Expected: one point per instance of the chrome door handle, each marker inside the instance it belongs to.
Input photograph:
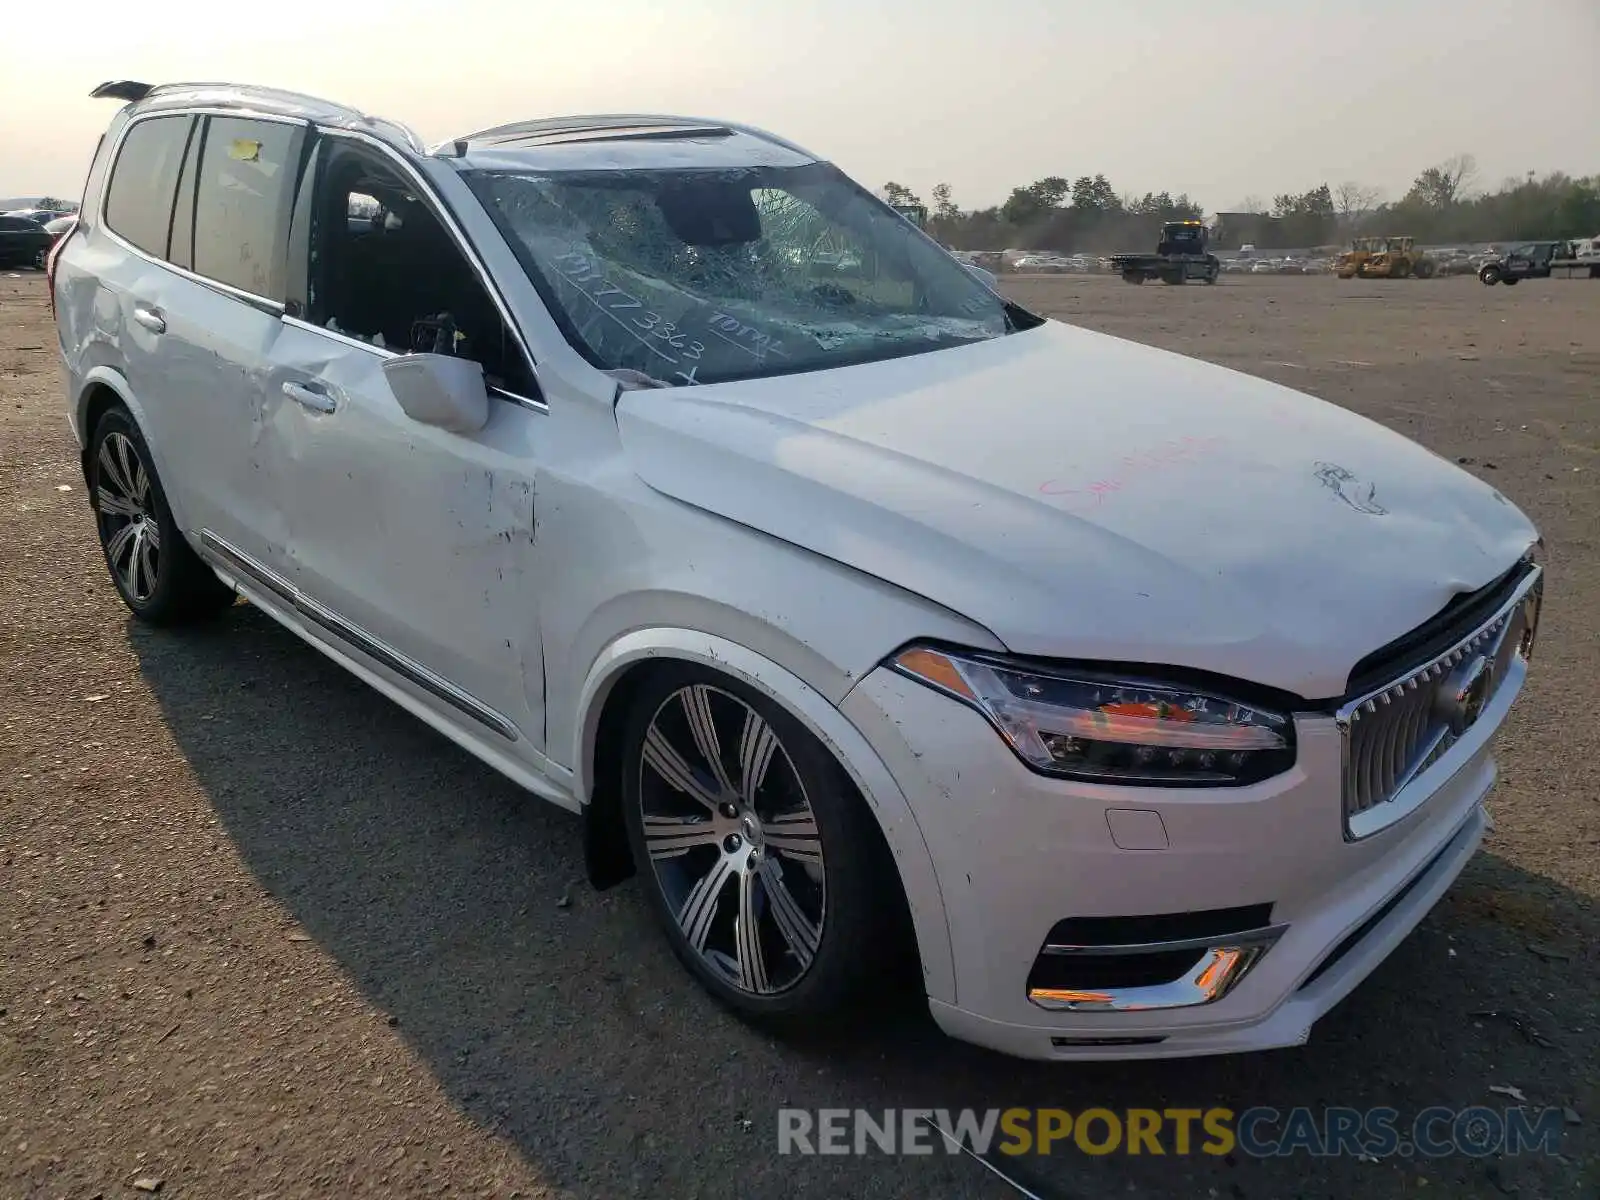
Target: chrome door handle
(150, 319)
(309, 397)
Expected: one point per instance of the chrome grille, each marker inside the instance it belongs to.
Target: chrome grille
(1394, 734)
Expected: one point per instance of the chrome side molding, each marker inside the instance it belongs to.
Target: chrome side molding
(232, 560)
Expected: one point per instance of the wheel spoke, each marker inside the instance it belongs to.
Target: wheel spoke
(670, 837)
(126, 462)
(119, 544)
(757, 745)
(697, 707)
(669, 764)
(108, 464)
(145, 551)
(798, 932)
(700, 905)
(112, 504)
(141, 483)
(136, 563)
(795, 836)
(152, 532)
(747, 937)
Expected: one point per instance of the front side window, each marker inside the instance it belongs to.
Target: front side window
(138, 203)
(246, 186)
(380, 267)
(699, 276)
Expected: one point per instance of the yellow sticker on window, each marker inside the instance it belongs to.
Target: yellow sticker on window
(245, 150)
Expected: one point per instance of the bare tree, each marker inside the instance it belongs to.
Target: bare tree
(1443, 185)
(1253, 204)
(1355, 201)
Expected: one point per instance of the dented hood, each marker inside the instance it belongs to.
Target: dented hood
(1086, 497)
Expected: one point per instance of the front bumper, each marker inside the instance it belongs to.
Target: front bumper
(1016, 852)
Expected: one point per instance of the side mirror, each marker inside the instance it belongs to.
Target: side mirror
(986, 278)
(441, 390)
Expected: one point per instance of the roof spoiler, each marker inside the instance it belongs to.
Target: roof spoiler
(122, 89)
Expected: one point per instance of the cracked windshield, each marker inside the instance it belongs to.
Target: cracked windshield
(685, 277)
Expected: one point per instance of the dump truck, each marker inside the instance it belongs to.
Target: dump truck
(1180, 256)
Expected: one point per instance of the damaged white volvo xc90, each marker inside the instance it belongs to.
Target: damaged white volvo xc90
(669, 472)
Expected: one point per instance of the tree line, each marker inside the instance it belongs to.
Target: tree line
(1443, 204)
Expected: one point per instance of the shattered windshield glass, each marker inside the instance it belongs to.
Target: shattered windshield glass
(701, 276)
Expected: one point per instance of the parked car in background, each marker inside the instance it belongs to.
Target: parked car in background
(852, 609)
(23, 242)
(39, 216)
(61, 225)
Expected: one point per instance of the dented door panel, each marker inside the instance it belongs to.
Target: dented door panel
(419, 538)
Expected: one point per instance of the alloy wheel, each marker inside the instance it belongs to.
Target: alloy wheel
(732, 838)
(129, 529)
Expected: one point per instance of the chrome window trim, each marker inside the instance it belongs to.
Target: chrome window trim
(1408, 795)
(230, 558)
(426, 191)
(345, 339)
(264, 303)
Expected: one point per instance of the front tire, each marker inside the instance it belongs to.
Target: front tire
(155, 571)
(757, 856)
(1489, 276)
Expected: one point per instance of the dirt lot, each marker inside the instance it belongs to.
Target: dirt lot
(266, 935)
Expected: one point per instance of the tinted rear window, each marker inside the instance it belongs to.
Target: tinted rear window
(247, 178)
(15, 224)
(138, 204)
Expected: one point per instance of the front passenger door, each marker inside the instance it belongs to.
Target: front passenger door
(410, 543)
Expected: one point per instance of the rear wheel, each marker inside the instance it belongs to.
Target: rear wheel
(1510, 281)
(1425, 269)
(39, 260)
(758, 858)
(157, 574)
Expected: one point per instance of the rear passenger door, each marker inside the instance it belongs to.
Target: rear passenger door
(229, 235)
(199, 206)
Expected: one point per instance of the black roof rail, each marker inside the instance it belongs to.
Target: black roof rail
(122, 89)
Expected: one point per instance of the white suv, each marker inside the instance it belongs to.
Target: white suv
(669, 472)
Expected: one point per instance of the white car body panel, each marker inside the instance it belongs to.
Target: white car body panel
(1055, 494)
(1122, 503)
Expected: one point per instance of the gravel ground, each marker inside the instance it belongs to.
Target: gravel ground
(268, 936)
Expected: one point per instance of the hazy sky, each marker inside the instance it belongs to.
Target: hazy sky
(1220, 98)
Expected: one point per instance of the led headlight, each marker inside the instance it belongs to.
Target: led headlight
(1110, 730)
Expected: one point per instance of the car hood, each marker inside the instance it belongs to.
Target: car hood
(1086, 497)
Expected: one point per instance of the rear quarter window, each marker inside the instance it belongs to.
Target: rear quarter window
(247, 178)
(138, 203)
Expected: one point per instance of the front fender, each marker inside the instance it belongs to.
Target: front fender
(827, 724)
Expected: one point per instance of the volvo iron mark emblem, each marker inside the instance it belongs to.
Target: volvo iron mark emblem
(1465, 693)
(1343, 484)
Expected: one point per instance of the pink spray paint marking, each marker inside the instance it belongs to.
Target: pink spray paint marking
(1169, 454)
